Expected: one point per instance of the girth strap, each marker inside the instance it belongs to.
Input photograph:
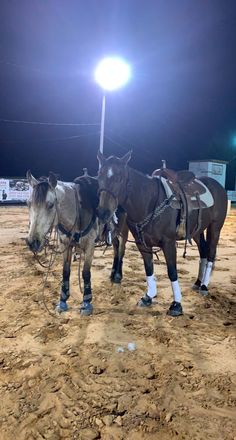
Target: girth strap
(76, 236)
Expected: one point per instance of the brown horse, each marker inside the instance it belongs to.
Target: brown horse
(71, 209)
(153, 221)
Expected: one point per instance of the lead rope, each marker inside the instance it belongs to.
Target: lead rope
(54, 252)
(51, 262)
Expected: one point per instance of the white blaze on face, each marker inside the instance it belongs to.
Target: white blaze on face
(110, 172)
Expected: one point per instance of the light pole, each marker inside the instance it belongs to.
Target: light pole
(111, 74)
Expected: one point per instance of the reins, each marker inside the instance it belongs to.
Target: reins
(73, 240)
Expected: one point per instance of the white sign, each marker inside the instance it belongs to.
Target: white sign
(14, 190)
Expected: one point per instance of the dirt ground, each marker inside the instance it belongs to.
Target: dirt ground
(72, 377)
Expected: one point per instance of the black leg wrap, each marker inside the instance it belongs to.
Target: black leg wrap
(117, 276)
(87, 293)
(65, 293)
(86, 307)
(116, 272)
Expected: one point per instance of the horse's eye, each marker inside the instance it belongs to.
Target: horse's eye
(50, 205)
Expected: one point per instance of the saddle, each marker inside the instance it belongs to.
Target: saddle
(189, 194)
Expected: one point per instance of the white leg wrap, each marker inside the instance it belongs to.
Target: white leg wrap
(207, 274)
(202, 268)
(176, 291)
(152, 287)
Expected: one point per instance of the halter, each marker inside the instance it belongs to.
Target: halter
(74, 236)
(109, 192)
(113, 194)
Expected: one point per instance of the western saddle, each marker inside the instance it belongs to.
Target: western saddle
(187, 192)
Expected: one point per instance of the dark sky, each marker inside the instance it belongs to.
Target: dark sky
(180, 103)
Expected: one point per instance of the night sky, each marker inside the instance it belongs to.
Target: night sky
(179, 105)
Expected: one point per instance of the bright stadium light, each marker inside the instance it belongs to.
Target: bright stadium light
(111, 74)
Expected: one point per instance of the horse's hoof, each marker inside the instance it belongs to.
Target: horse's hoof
(61, 307)
(175, 309)
(203, 290)
(86, 308)
(116, 278)
(196, 286)
(145, 301)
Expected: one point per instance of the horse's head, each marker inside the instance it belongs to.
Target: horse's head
(42, 210)
(112, 180)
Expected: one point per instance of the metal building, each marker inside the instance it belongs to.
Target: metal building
(210, 168)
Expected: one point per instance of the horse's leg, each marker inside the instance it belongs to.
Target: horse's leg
(169, 249)
(86, 305)
(213, 235)
(202, 248)
(115, 243)
(119, 252)
(65, 285)
(147, 256)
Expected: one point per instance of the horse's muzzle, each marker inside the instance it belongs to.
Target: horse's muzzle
(34, 245)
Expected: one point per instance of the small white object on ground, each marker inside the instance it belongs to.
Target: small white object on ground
(131, 346)
(120, 349)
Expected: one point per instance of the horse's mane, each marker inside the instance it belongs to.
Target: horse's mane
(40, 191)
(88, 187)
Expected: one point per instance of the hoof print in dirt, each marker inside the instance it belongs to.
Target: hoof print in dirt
(86, 309)
(95, 369)
(175, 309)
(61, 307)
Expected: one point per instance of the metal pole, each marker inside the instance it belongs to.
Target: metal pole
(102, 124)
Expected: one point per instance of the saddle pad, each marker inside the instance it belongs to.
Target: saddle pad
(204, 194)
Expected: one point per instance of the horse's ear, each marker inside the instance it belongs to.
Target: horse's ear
(31, 179)
(52, 180)
(101, 159)
(126, 158)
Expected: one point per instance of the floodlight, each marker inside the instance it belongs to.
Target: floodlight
(112, 73)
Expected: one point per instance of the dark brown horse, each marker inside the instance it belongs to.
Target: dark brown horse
(153, 221)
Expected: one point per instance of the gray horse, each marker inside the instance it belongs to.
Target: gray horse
(71, 209)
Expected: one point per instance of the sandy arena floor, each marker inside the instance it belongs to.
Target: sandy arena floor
(62, 377)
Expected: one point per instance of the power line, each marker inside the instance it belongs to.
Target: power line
(115, 142)
(22, 66)
(15, 121)
(143, 156)
(127, 142)
(33, 141)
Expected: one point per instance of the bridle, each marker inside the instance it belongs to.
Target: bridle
(71, 234)
(114, 196)
(111, 193)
